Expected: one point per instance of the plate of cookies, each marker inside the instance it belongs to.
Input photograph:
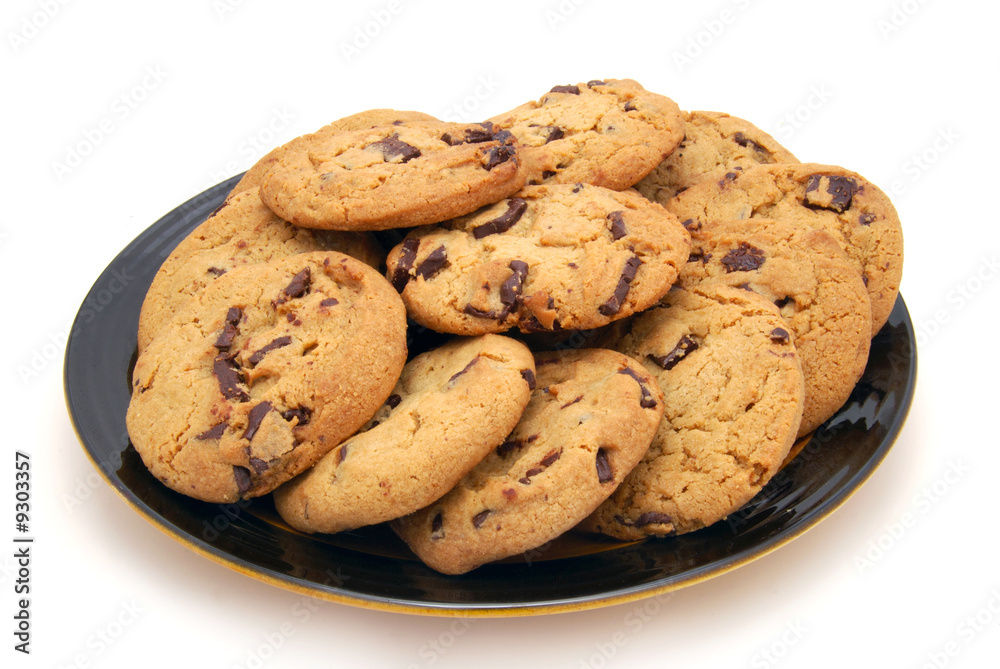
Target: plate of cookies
(590, 350)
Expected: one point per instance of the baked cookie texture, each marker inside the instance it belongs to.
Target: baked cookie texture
(817, 289)
(365, 119)
(590, 419)
(714, 143)
(825, 197)
(450, 408)
(733, 390)
(400, 175)
(607, 133)
(242, 232)
(562, 256)
(263, 372)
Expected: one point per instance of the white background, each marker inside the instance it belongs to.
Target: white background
(168, 98)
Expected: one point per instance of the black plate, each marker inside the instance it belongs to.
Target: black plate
(373, 568)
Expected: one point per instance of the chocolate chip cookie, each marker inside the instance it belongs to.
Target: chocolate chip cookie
(733, 390)
(263, 372)
(242, 232)
(553, 257)
(366, 119)
(843, 203)
(817, 289)
(398, 175)
(714, 143)
(590, 419)
(450, 408)
(608, 133)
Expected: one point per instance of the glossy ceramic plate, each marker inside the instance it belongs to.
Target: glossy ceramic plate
(372, 567)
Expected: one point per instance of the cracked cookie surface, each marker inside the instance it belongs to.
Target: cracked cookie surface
(241, 232)
(590, 419)
(553, 257)
(733, 391)
(714, 143)
(845, 204)
(817, 289)
(263, 372)
(607, 133)
(390, 176)
(451, 407)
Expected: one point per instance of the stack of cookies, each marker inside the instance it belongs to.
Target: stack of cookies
(637, 311)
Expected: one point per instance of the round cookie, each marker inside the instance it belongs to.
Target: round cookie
(845, 204)
(450, 408)
(365, 119)
(817, 289)
(554, 257)
(714, 143)
(608, 133)
(390, 176)
(241, 232)
(263, 372)
(589, 421)
(733, 392)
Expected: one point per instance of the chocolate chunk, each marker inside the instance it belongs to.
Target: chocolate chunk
(685, 346)
(511, 445)
(259, 466)
(392, 147)
(780, 336)
(647, 401)
(699, 255)
(342, 454)
(596, 82)
(616, 220)
(510, 290)
(497, 155)
(691, 224)
(867, 218)
(614, 303)
(437, 524)
(267, 348)
(242, 476)
(228, 374)
(745, 286)
(408, 253)
(230, 329)
(550, 457)
(555, 132)
(529, 377)
(214, 432)
(432, 264)
(485, 133)
(746, 142)
(455, 376)
(254, 419)
(577, 188)
(839, 193)
(783, 302)
(509, 494)
(548, 174)
(729, 177)
(216, 271)
(653, 518)
(480, 518)
(629, 106)
(329, 302)
(481, 313)
(303, 414)
(299, 285)
(604, 473)
(515, 209)
(393, 401)
(574, 90)
(744, 258)
(571, 403)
